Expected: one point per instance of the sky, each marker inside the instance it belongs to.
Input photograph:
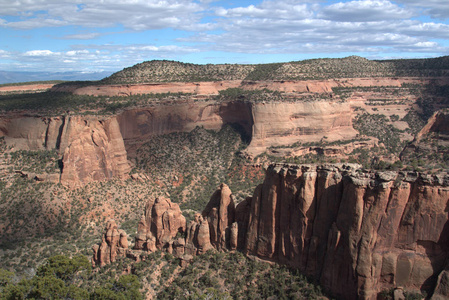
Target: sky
(109, 35)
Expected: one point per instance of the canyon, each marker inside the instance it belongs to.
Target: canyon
(357, 232)
(273, 124)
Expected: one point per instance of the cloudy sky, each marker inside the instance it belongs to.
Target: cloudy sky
(108, 35)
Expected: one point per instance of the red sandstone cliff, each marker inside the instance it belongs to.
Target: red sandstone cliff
(93, 150)
(97, 148)
(357, 233)
(91, 147)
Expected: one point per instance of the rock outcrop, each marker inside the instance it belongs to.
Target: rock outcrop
(92, 148)
(114, 244)
(160, 224)
(220, 214)
(442, 288)
(93, 151)
(266, 124)
(198, 237)
(356, 232)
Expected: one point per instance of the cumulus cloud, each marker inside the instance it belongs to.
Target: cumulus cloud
(364, 11)
(268, 9)
(93, 57)
(380, 27)
(355, 26)
(132, 14)
(438, 9)
(40, 53)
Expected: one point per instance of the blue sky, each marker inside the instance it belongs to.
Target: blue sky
(108, 35)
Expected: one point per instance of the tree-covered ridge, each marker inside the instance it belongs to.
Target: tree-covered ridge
(56, 103)
(326, 68)
(173, 71)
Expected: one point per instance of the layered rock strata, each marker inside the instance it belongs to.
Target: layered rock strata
(114, 243)
(357, 233)
(92, 148)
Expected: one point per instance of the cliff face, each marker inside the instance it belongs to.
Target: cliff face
(357, 233)
(92, 148)
(308, 111)
(266, 124)
(277, 124)
(93, 151)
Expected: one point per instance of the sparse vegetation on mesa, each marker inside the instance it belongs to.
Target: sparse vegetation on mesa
(171, 71)
(57, 103)
(377, 125)
(349, 67)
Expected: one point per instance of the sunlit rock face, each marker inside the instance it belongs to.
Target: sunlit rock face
(356, 232)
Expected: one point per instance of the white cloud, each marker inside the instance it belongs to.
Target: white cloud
(76, 52)
(4, 54)
(356, 26)
(135, 15)
(81, 36)
(268, 9)
(364, 11)
(438, 9)
(40, 53)
(93, 57)
(265, 27)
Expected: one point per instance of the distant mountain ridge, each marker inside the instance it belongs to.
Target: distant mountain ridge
(319, 69)
(18, 76)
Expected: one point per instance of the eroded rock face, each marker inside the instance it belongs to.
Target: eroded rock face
(198, 236)
(94, 151)
(114, 243)
(431, 142)
(220, 214)
(357, 233)
(159, 225)
(442, 288)
(92, 148)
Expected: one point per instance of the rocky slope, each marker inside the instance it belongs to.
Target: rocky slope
(431, 144)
